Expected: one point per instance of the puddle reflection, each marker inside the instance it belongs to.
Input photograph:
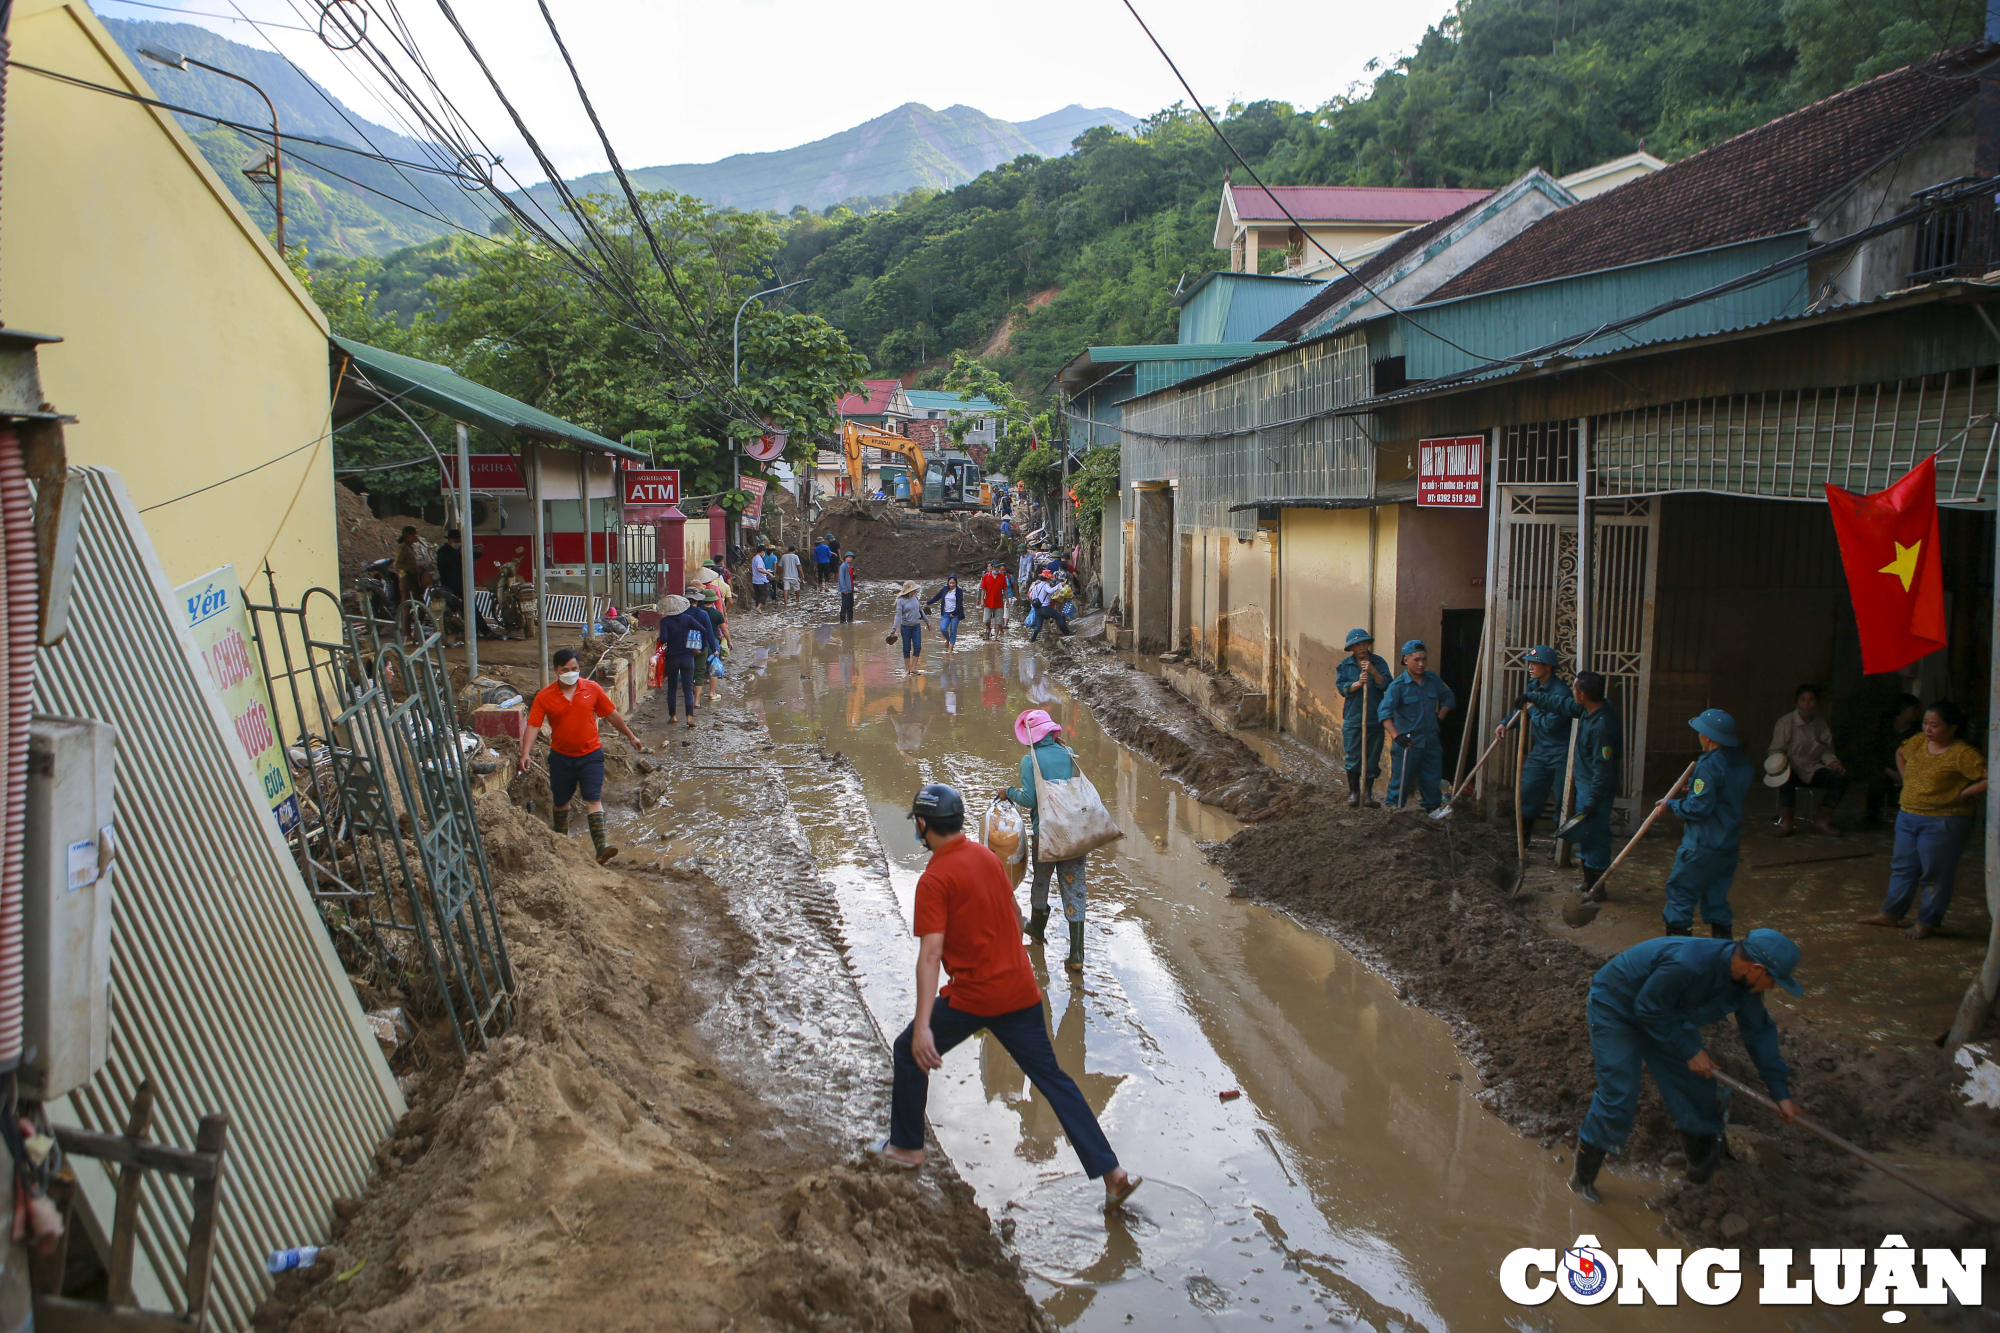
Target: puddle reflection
(1355, 1180)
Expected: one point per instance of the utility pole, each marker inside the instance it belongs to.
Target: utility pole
(467, 578)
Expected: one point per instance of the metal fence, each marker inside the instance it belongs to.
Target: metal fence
(1788, 445)
(388, 841)
(1262, 433)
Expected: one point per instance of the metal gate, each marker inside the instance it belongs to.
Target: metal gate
(639, 557)
(381, 773)
(1536, 602)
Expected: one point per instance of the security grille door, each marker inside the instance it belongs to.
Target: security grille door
(1537, 603)
(643, 565)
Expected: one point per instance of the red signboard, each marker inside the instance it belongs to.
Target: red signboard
(1450, 472)
(754, 485)
(494, 474)
(662, 487)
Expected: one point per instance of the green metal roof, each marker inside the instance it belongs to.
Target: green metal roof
(444, 390)
(936, 400)
(1180, 352)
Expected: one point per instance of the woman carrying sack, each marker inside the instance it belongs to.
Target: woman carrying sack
(1077, 823)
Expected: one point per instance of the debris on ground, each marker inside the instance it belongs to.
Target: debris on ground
(599, 1166)
(902, 542)
(1426, 903)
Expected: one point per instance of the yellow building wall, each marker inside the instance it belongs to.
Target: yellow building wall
(189, 353)
(1325, 594)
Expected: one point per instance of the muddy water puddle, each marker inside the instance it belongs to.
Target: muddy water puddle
(1352, 1180)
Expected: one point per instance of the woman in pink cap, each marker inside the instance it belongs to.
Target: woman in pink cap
(1038, 731)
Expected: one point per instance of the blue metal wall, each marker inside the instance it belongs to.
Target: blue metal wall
(1501, 324)
(1234, 308)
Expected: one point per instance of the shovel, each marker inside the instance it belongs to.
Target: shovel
(1579, 911)
(1520, 823)
(1477, 764)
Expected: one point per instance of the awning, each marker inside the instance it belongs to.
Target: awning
(372, 374)
(1399, 492)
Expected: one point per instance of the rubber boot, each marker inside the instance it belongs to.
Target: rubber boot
(1353, 790)
(1584, 1178)
(1704, 1156)
(1591, 892)
(560, 822)
(1725, 932)
(1680, 927)
(605, 851)
(1038, 924)
(1075, 960)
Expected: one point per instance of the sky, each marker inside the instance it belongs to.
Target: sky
(697, 80)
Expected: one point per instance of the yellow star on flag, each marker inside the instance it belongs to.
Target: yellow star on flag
(1904, 566)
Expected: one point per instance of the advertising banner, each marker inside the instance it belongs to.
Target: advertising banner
(212, 609)
(1450, 472)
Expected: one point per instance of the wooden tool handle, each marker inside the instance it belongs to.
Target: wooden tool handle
(1655, 814)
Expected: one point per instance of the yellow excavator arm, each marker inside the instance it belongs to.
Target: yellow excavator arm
(854, 437)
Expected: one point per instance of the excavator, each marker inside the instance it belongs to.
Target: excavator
(947, 484)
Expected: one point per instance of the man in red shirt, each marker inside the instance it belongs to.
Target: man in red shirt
(571, 708)
(966, 919)
(993, 601)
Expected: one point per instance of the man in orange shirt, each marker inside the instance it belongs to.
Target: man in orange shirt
(966, 919)
(571, 708)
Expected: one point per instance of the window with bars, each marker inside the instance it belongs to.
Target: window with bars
(1540, 453)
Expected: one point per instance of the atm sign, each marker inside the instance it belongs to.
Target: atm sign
(1449, 471)
(653, 488)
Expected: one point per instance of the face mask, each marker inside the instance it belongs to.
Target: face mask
(919, 830)
(570, 677)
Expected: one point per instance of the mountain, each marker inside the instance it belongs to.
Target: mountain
(381, 208)
(912, 147)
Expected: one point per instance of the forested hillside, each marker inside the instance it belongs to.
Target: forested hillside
(1498, 87)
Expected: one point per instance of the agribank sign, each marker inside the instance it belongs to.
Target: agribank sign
(1585, 1274)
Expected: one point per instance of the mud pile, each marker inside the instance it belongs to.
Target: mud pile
(365, 538)
(598, 1169)
(1426, 903)
(901, 543)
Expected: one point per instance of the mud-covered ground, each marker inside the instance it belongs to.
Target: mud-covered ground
(1427, 903)
(613, 1163)
(900, 542)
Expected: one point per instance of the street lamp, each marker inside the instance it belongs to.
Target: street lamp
(175, 60)
(736, 374)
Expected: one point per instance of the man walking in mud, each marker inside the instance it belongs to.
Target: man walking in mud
(1411, 709)
(966, 920)
(1712, 808)
(1361, 678)
(1647, 1007)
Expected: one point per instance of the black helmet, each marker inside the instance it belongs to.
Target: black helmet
(938, 801)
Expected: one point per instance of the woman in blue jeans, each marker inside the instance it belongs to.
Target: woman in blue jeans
(1942, 779)
(950, 603)
(910, 620)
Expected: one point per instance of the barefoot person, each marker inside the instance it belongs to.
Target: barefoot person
(571, 707)
(966, 920)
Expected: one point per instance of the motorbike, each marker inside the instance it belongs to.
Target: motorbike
(379, 589)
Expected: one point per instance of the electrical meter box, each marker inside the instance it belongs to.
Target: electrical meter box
(66, 903)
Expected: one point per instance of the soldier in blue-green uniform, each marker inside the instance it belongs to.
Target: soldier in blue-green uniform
(1713, 811)
(1361, 678)
(1411, 709)
(1548, 756)
(1600, 745)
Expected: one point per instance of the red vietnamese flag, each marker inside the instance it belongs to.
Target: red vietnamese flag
(1889, 545)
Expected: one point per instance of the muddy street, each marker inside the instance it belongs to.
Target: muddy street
(1353, 1179)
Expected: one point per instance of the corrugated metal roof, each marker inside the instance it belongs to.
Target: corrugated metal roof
(1229, 307)
(934, 400)
(1349, 203)
(225, 988)
(443, 389)
(1179, 352)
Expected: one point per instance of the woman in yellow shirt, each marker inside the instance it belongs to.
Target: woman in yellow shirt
(1942, 779)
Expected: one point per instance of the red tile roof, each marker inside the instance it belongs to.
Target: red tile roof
(1349, 203)
(875, 404)
(1763, 182)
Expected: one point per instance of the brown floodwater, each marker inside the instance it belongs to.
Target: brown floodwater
(1354, 1181)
